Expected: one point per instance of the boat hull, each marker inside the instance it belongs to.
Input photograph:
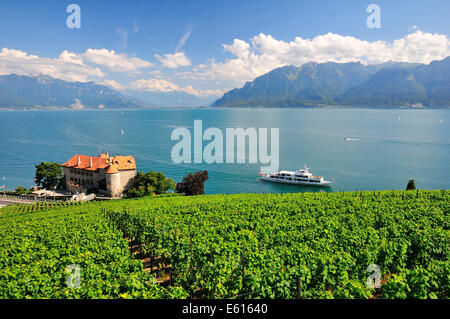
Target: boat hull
(322, 184)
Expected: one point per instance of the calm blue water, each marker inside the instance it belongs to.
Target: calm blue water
(389, 152)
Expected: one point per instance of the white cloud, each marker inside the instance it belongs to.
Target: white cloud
(153, 85)
(189, 89)
(71, 66)
(173, 61)
(158, 85)
(239, 48)
(247, 60)
(184, 38)
(114, 61)
(113, 84)
(70, 57)
(264, 53)
(67, 66)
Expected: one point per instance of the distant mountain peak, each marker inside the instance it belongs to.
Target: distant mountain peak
(43, 91)
(390, 84)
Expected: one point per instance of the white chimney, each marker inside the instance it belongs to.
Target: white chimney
(79, 160)
(90, 161)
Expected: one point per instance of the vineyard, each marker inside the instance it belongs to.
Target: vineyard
(37, 206)
(310, 245)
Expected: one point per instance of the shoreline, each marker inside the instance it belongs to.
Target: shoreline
(329, 107)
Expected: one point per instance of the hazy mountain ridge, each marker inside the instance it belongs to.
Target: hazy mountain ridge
(45, 92)
(18, 91)
(172, 99)
(350, 84)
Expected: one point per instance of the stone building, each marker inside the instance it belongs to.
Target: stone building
(110, 176)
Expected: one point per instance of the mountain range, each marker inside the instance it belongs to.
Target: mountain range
(45, 92)
(352, 84)
(347, 84)
(172, 98)
(18, 91)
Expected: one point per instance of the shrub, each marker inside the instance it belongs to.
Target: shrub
(148, 183)
(411, 185)
(193, 184)
(21, 190)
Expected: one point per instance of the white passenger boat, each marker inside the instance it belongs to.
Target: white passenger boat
(299, 177)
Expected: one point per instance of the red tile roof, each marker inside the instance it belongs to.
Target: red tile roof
(103, 161)
(112, 169)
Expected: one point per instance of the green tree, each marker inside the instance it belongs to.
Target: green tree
(411, 185)
(151, 182)
(21, 190)
(49, 175)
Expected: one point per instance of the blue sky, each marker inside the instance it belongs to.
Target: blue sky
(260, 36)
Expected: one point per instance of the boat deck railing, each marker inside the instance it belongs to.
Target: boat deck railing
(290, 176)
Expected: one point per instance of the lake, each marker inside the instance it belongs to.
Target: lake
(390, 146)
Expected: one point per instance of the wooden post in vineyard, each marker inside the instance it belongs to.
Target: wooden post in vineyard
(417, 193)
(299, 282)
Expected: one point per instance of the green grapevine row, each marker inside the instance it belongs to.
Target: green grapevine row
(315, 245)
(311, 245)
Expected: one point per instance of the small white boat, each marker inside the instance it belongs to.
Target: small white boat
(299, 177)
